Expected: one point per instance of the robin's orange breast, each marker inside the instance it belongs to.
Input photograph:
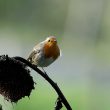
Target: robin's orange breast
(51, 51)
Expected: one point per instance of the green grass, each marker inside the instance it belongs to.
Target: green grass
(80, 98)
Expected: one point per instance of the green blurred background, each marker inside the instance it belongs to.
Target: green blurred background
(82, 28)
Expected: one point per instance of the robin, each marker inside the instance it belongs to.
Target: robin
(45, 53)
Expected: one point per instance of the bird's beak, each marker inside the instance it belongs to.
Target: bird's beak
(55, 41)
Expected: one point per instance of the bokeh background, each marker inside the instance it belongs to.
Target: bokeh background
(82, 28)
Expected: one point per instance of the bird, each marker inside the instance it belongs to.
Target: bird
(45, 53)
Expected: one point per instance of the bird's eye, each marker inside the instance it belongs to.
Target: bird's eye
(48, 40)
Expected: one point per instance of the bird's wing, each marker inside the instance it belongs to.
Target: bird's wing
(31, 56)
(39, 46)
(37, 49)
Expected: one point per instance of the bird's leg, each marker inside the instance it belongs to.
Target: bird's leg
(44, 71)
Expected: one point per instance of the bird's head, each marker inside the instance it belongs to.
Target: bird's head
(51, 41)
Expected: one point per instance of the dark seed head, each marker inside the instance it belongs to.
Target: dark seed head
(15, 80)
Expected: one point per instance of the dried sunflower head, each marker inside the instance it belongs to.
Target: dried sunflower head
(15, 80)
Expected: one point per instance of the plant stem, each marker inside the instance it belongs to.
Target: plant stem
(47, 78)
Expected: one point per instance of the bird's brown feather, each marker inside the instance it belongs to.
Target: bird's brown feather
(51, 51)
